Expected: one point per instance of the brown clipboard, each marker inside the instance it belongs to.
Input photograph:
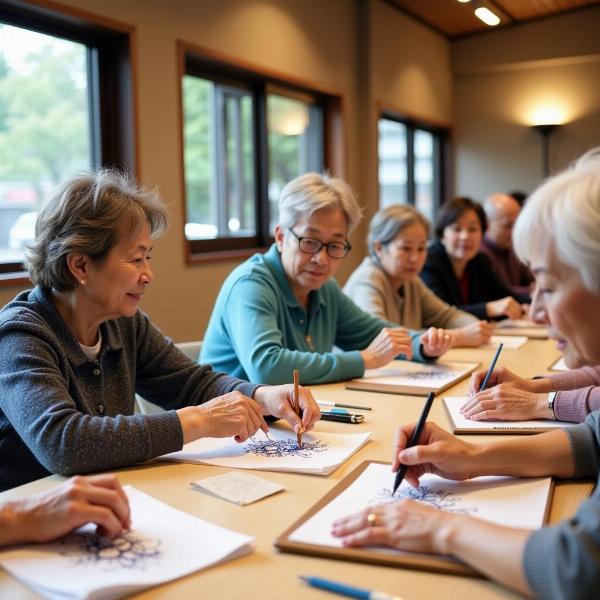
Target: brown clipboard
(507, 429)
(366, 385)
(408, 560)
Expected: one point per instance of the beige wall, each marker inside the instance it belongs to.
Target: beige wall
(501, 78)
(327, 42)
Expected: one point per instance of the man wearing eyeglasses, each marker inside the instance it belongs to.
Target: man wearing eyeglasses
(283, 310)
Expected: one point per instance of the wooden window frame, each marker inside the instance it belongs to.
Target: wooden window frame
(442, 135)
(112, 81)
(197, 61)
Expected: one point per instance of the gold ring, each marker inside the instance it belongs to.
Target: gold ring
(372, 519)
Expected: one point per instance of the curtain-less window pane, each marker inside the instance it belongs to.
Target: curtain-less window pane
(392, 163)
(295, 130)
(424, 172)
(45, 132)
(218, 160)
(199, 160)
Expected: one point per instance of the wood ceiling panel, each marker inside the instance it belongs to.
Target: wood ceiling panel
(535, 9)
(455, 19)
(446, 16)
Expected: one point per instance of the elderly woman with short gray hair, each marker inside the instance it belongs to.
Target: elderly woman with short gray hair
(283, 310)
(75, 350)
(387, 284)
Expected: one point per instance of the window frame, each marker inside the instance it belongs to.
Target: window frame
(441, 139)
(111, 80)
(201, 62)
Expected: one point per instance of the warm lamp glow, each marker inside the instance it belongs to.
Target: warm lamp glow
(487, 16)
(288, 116)
(547, 113)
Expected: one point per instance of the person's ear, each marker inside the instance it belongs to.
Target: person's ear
(279, 237)
(78, 266)
(378, 248)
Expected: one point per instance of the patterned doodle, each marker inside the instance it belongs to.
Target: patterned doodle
(281, 448)
(128, 551)
(441, 499)
(435, 375)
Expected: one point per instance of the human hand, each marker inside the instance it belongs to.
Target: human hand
(232, 414)
(506, 402)
(472, 335)
(98, 499)
(406, 525)
(437, 452)
(504, 307)
(389, 343)
(278, 401)
(436, 341)
(500, 375)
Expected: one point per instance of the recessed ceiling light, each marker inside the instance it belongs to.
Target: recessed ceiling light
(487, 16)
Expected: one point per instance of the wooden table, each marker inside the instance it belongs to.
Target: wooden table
(269, 574)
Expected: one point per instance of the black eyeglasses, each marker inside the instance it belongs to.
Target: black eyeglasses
(313, 246)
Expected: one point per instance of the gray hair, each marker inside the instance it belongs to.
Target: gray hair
(89, 214)
(387, 223)
(566, 210)
(310, 192)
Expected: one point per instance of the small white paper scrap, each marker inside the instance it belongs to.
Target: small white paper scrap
(511, 342)
(237, 487)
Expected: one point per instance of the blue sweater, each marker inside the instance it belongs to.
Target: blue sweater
(258, 330)
(63, 413)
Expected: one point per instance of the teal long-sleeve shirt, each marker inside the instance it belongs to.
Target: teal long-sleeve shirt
(259, 331)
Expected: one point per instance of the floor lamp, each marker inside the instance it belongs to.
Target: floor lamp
(545, 131)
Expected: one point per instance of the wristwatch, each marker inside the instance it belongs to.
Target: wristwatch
(551, 398)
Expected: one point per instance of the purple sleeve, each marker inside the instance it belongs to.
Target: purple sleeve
(580, 395)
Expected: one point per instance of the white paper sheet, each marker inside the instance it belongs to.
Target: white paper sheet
(491, 498)
(460, 422)
(320, 454)
(559, 365)
(164, 544)
(518, 324)
(510, 342)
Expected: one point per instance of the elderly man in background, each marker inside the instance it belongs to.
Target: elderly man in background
(502, 211)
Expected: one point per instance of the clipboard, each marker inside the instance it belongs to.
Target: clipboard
(502, 427)
(396, 377)
(377, 556)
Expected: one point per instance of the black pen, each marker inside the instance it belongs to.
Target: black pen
(492, 365)
(341, 417)
(414, 439)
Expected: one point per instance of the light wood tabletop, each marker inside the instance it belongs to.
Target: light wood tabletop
(269, 574)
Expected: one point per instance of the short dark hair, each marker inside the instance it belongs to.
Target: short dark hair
(453, 210)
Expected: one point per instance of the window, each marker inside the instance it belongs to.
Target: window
(411, 164)
(245, 135)
(60, 113)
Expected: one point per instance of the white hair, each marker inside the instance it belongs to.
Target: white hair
(566, 210)
(310, 192)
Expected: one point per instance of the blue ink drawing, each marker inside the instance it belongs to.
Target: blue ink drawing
(436, 375)
(128, 551)
(440, 499)
(282, 448)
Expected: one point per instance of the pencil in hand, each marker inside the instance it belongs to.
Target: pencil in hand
(296, 404)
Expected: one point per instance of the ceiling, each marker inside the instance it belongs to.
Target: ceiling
(456, 19)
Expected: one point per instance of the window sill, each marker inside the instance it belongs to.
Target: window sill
(223, 255)
(14, 279)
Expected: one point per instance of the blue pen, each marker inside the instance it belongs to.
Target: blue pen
(346, 590)
(492, 365)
